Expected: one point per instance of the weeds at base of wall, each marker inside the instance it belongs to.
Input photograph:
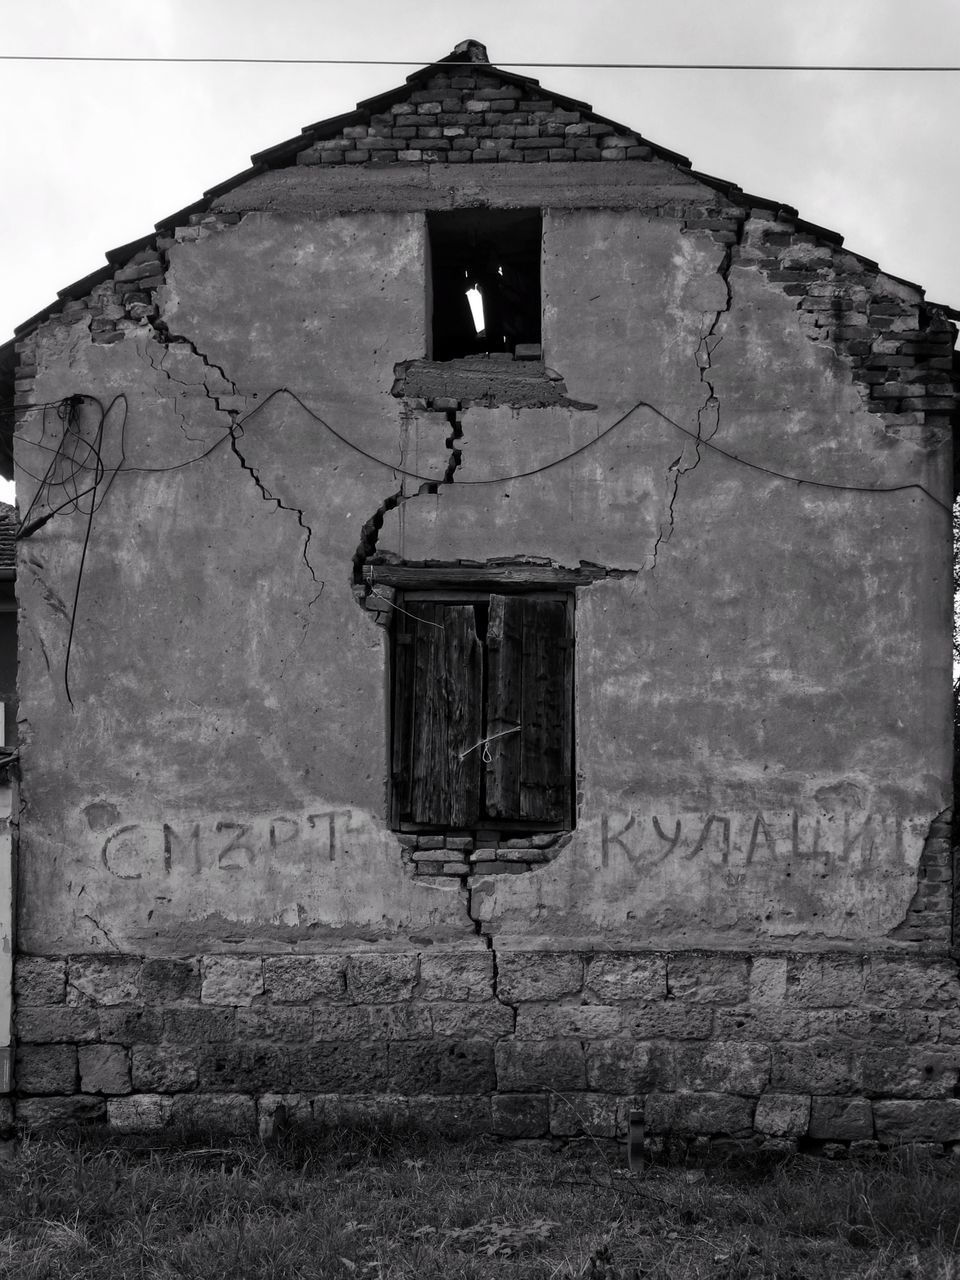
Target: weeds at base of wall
(367, 1203)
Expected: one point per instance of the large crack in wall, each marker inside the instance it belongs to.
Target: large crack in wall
(148, 313)
(232, 413)
(135, 312)
(236, 433)
(138, 284)
(703, 355)
(367, 550)
(452, 387)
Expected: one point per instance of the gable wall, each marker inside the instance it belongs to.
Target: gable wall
(214, 911)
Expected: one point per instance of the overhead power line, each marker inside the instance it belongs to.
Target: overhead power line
(407, 62)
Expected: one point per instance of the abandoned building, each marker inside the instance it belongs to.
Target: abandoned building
(485, 651)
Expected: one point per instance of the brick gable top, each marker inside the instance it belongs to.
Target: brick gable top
(464, 110)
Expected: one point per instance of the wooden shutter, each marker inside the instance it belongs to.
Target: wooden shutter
(438, 677)
(529, 684)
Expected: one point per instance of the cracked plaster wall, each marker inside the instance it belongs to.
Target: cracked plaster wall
(759, 649)
(202, 704)
(711, 696)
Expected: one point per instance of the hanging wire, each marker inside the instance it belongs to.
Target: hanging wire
(25, 531)
(393, 605)
(590, 444)
(75, 454)
(480, 66)
(486, 757)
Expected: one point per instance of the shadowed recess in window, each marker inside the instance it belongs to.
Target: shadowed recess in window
(485, 280)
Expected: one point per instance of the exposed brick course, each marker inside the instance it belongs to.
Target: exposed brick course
(283, 1025)
(699, 1113)
(540, 1064)
(231, 980)
(612, 978)
(911, 983)
(104, 1068)
(782, 1115)
(457, 977)
(103, 980)
(723, 1066)
(164, 1068)
(490, 1019)
(343, 1067)
(817, 1067)
(441, 1067)
(56, 1113)
(589, 1020)
(520, 1115)
(169, 981)
(39, 981)
(189, 1025)
(720, 978)
(906, 1121)
(50, 1024)
(373, 1022)
(840, 1119)
(628, 1067)
(47, 1068)
(378, 979)
(232, 1113)
(590, 1114)
(849, 303)
(120, 1025)
(299, 979)
(824, 981)
(138, 1113)
(819, 1045)
(538, 975)
(763, 1022)
(917, 1072)
(245, 1067)
(668, 1019)
(456, 1116)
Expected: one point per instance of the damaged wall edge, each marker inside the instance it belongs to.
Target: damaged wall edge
(928, 919)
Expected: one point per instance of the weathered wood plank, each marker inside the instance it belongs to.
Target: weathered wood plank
(504, 652)
(544, 790)
(445, 716)
(401, 745)
(522, 577)
(439, 712)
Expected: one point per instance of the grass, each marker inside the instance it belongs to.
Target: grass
(363, 1206)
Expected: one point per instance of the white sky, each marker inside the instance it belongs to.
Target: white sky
(94, 154)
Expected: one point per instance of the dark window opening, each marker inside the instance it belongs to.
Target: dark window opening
(485, 279)
(483, 712)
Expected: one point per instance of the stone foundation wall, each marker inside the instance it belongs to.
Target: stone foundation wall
(837, 1050)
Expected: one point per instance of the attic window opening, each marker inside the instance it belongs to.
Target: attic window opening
(484, 281)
